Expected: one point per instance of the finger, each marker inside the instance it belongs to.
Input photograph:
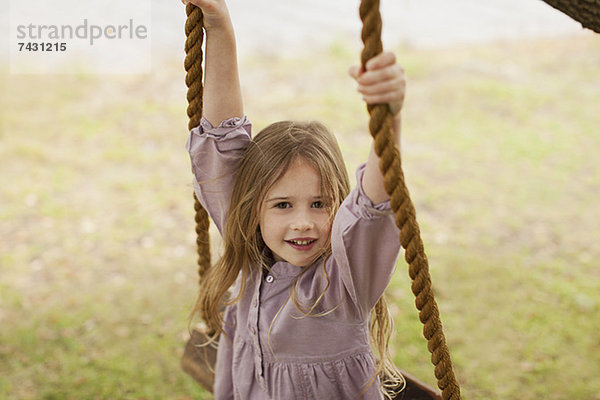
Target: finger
(197, 3)
(391, 93)
(395, 99)
(355, 71)
(381, 60)
(381, 75)
(392, 85)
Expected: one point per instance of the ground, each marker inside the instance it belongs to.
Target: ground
(499, 148)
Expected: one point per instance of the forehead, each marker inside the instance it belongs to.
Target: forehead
(300, 179)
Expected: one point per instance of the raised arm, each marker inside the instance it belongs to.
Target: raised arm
(382, 82)
(222, 93)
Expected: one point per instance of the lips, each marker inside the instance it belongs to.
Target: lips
(301, 243)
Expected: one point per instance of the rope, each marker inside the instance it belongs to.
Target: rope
(380, 126)
(586, 12)
(193, 80)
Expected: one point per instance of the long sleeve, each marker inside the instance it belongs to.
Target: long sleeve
(365, 243)
(215, 153)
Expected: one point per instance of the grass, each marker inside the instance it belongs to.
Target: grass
(500, 152)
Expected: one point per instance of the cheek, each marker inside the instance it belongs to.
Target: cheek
(263, 224)
(325, 224)
(270, 225)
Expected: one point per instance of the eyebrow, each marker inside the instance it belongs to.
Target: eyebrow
(277, 199)
(284, 198)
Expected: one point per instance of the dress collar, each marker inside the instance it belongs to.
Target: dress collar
(283, 269)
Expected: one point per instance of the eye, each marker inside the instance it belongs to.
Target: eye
(282, 205)
(318, 204)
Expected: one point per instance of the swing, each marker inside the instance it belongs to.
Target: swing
(198, 359)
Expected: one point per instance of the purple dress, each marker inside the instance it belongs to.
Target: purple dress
(273, 351)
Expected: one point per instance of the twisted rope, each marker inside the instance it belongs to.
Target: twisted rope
(586, 12)
(193, 79)
(380, 126)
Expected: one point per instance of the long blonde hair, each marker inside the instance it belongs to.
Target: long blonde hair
(266, 159)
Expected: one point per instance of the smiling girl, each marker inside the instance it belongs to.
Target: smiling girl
(306, 258)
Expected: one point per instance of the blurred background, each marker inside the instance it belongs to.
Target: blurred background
(500, 150)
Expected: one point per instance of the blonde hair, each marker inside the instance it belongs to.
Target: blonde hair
(265, 160)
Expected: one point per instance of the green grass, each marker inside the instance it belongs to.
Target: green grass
(500, 150)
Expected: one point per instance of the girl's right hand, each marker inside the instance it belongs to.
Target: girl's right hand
(215, 13)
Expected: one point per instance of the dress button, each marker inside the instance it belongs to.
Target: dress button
(270, 278)
(255, 303)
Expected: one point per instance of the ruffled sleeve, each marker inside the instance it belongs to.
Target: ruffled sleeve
(365, 244)
(215, 153)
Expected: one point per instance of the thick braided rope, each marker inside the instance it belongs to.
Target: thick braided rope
(380, 126)
(587, 12)
(193, 80)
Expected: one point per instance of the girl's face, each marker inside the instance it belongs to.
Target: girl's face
(294, 219)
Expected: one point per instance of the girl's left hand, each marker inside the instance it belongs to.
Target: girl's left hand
(382, 82)
(215, 13)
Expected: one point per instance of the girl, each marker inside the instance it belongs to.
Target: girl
(310, 259)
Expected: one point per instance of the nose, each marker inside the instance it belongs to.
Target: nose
(301, 221)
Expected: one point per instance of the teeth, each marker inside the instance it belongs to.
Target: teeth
(301, 242)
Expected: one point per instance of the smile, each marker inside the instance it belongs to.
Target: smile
(304, 244)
